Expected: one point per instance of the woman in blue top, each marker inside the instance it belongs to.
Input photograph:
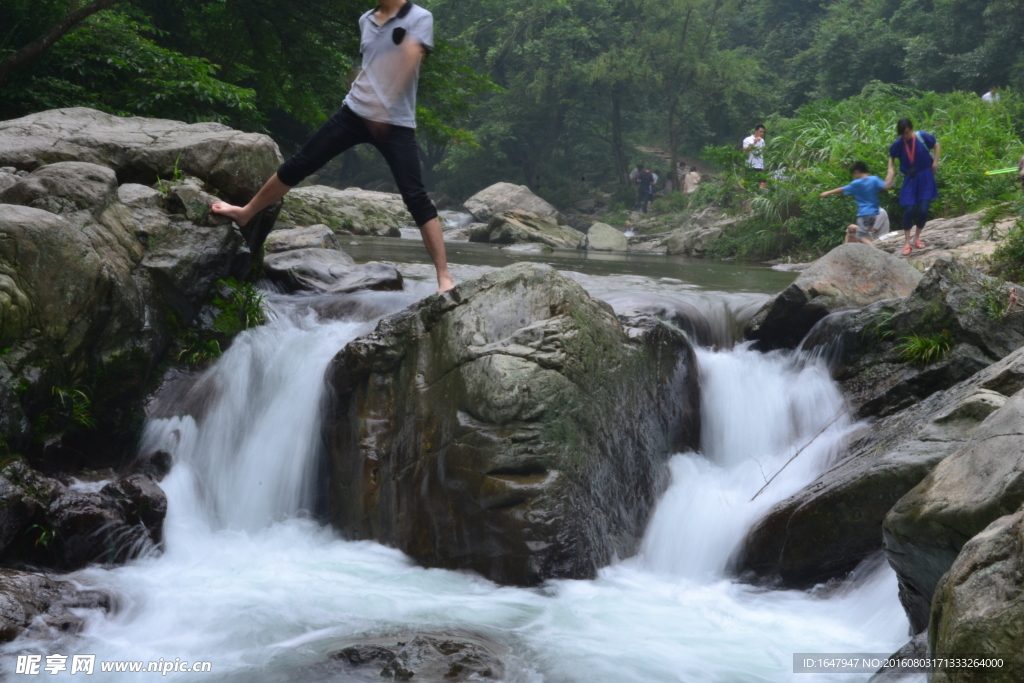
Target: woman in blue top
(919, 160)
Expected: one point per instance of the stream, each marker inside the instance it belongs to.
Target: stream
(249, 581)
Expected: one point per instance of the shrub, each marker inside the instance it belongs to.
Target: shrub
(924, 349)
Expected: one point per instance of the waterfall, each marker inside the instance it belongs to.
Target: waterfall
(249, 581)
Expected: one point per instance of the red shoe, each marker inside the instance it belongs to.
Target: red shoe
(918, 245)
(906, 250)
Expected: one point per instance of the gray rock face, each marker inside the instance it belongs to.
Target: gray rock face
(850, 276)
(310, 237)
(353, 211)
(504, 197)
(43, 606)
(136, 196)
(978, 606)
(829, 527)
(603, 237)
(140, 150)
(967, 312)
(513, 427)
(65, 188)
(328, 270)
(982, 481)
(916, 648)
(518, 227)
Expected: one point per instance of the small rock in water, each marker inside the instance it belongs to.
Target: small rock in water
(427, 658)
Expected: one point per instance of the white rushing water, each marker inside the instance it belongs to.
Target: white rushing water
(250, 583)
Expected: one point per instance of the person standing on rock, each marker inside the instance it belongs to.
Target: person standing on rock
(914, 150)
(645, 191)
(692, 181)
(864, 188)
(380, 109)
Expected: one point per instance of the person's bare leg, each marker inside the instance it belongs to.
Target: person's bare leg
(917, 236)
(433, 240)
(271, 191)
(868, 241)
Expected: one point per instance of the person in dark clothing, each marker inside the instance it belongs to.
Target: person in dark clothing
(645, 190)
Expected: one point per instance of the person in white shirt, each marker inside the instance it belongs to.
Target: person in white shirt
(691, 181)
(991, 96)
(753, 145)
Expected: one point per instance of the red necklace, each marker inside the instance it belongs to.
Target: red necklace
(911, 149)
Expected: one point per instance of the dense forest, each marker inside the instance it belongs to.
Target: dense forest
(555, 94)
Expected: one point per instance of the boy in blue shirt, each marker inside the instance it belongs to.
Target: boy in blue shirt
(864, 188)
(918, 153)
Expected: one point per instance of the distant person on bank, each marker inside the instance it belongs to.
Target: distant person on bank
(918, 164)
(644, 192)
(992, 95)
(380, 109)
(691, 181)
(753, 145)
(871, 217)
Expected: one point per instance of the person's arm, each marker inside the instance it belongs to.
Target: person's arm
(890, 175)
(838, 190)
(936, 151)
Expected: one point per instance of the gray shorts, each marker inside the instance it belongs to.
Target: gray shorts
(865, 224)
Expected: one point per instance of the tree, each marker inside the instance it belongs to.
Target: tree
(75, 16)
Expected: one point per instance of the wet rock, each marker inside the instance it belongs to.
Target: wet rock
(977, 609)
(969, 313)
(926, 528)
(353, 211)
(7, 178)
(916, 648)
(310, 237)
(603, 237)
(513, 427)
(517, 227)
(64, 188)
(829, 527)
(140, 150)
(328, 270)
(427, 658)
(505, 197)
(850, 276)
(195, 203)
(43, 606)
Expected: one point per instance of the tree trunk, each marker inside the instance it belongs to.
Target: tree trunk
(618, 146)
(47, 40)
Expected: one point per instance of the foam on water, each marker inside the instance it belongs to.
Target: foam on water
(248, 581)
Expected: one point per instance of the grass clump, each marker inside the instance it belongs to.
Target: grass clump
(924, 350)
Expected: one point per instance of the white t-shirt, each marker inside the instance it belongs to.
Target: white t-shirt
(756, 158)
(989, 97)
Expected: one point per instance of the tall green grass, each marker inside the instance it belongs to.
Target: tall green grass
(813, 150)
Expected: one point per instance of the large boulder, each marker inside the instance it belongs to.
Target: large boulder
(603, 237)
(328, 270)
(968, 318)
(518, 227)
(850, 276)
(504, 197)
(692, 242)
(141, 150)
(513, 427)
(978, 608)
(354, 211)
(982, 481)
(65, 188)
(829, 527)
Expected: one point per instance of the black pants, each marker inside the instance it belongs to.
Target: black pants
(344, 130)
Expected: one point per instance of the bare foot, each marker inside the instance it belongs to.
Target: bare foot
(444, 283)
(236, 213)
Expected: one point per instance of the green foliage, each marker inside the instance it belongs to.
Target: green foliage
(880, 328)
(925, 349)
(108, 64)
(813, 150)
(241, 307)
(45, 535)
(69, 409)
(196, 351)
